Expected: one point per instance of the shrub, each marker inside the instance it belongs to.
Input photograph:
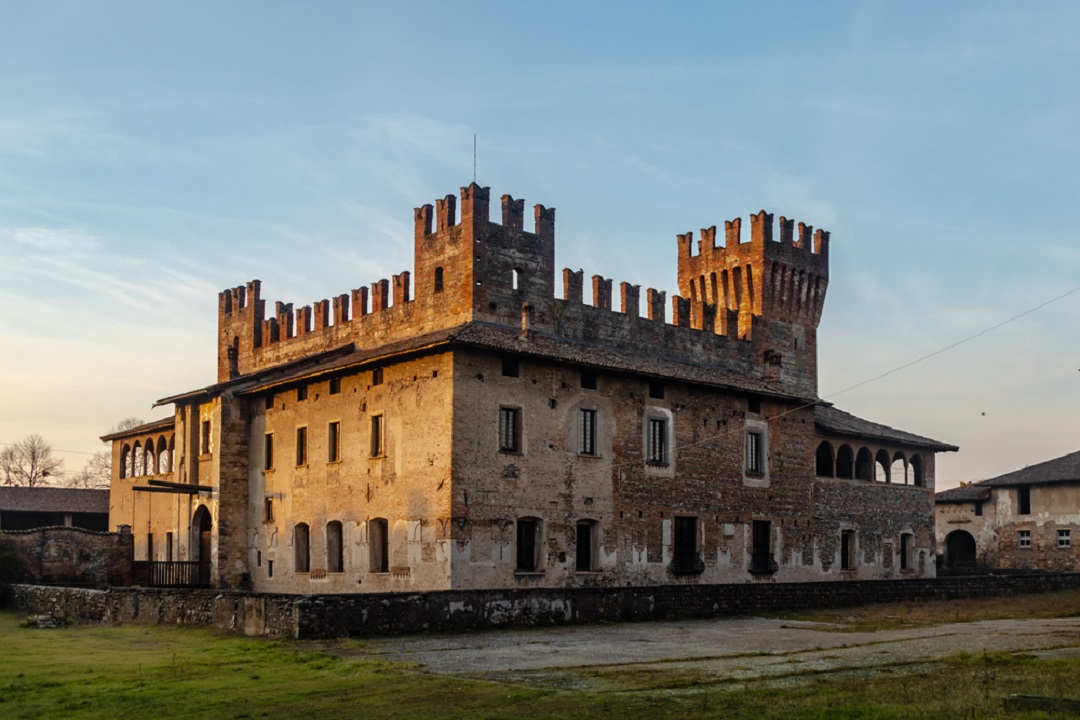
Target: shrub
(12, 568)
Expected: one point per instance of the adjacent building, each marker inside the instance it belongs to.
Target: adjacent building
(1027, 519)
(29, 508)
(462, 426)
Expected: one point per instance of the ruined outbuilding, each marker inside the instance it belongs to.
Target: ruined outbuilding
(462, 426)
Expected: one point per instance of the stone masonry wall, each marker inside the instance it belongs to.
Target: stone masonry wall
(74, 556)
(322, 616)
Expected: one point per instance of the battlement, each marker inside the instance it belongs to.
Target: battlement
(742, 299)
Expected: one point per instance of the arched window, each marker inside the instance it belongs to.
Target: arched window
(824, 462)
(917, 470)
(864, 465)
(149, 466)
(438, 286)
(378, 545)
(898, 473)
(845, 463)
(172, 452)
(335, 560)
(163, 456)
(137, 469)
(881, 467)
(302, 547)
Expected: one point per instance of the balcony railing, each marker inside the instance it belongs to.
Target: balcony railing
(171, 574)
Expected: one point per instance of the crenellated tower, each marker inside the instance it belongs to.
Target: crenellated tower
(766, 291)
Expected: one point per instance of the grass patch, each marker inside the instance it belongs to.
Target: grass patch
(892, 616)
(180, 672)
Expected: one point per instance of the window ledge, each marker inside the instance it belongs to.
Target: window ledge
(587, 572)
(528, 573)
(334, 462)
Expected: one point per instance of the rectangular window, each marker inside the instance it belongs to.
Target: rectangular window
(978, 508)
(847, 550)
(335, 557)
(169, 546)
(301, 548)
(586, 546)
(684, 556)
(656, 452)
(755, 453)
(376, 377)
(509, 430)
(333, 439)
(588, 432)
(378, 546)
(906, 543)
(1023, 538)
(150, 546)
(510, 367)
(1064, 538)
(301, 393)
(376, 436)
(335, 386)
(588, 380)
(761, 559)
(1024, 498)
(656, 390)
(753, 405)
(301, 446)
(268, 451)
(269, 568)
(204, 437)
(268, 402)
(528, 545)
(268, 510)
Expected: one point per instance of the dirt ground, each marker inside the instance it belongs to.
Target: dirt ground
(737, 650)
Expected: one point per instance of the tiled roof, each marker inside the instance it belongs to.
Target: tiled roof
(50, 499)
(837, 422)
(1063, 469)
(143, 429)
(963, 494)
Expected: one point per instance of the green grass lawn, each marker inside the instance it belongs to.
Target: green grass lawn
(177, 672)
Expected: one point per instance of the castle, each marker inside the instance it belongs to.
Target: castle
(462, 427)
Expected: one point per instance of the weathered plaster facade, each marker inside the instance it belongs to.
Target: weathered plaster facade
(464, 428)
(1024, 520)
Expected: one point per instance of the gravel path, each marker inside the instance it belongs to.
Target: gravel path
(735, 649)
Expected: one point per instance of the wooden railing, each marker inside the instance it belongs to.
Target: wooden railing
(171, 574)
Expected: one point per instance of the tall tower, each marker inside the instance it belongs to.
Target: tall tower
(766, 292)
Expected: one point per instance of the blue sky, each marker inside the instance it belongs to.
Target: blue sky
(152, 154)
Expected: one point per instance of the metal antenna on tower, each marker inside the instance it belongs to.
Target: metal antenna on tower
(474, 157)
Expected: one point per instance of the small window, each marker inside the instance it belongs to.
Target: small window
(268, 509)
(268, 451)
(587, 428)
(376, 436)
(515, 279)
(378, 545)
(438, 286)
(302, 550)
(268, 402)
(1024, 504)
(510, 367)
(333, 442)
(656, 390)
(588, 380)
(169, 546)
(301, 446)
(847, 550)
(528, 545)
(1023, 539)
(656, 452)
(684, 551)
(755, 453)
(753, 405)
(978, 508)
(269, 568)
(509, 430)
(335, 386)
(376, 377)
(334, 548)
(1064, 538)
(586, 547)
(301, 393)
(150, 546)
(907, 541)
(204, 437)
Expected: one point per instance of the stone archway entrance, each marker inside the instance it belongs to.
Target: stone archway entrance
(960, 550)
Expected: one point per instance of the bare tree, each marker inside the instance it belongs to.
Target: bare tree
(127, 424)
(29, 462)
(95, 474)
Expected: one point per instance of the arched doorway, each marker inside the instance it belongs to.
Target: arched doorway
(960, 550)
(200, 543)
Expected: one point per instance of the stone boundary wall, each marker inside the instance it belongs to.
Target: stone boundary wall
(65, 555)
(322, 616)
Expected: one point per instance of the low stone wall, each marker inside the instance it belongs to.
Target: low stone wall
(321, 616)
(63, 555)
